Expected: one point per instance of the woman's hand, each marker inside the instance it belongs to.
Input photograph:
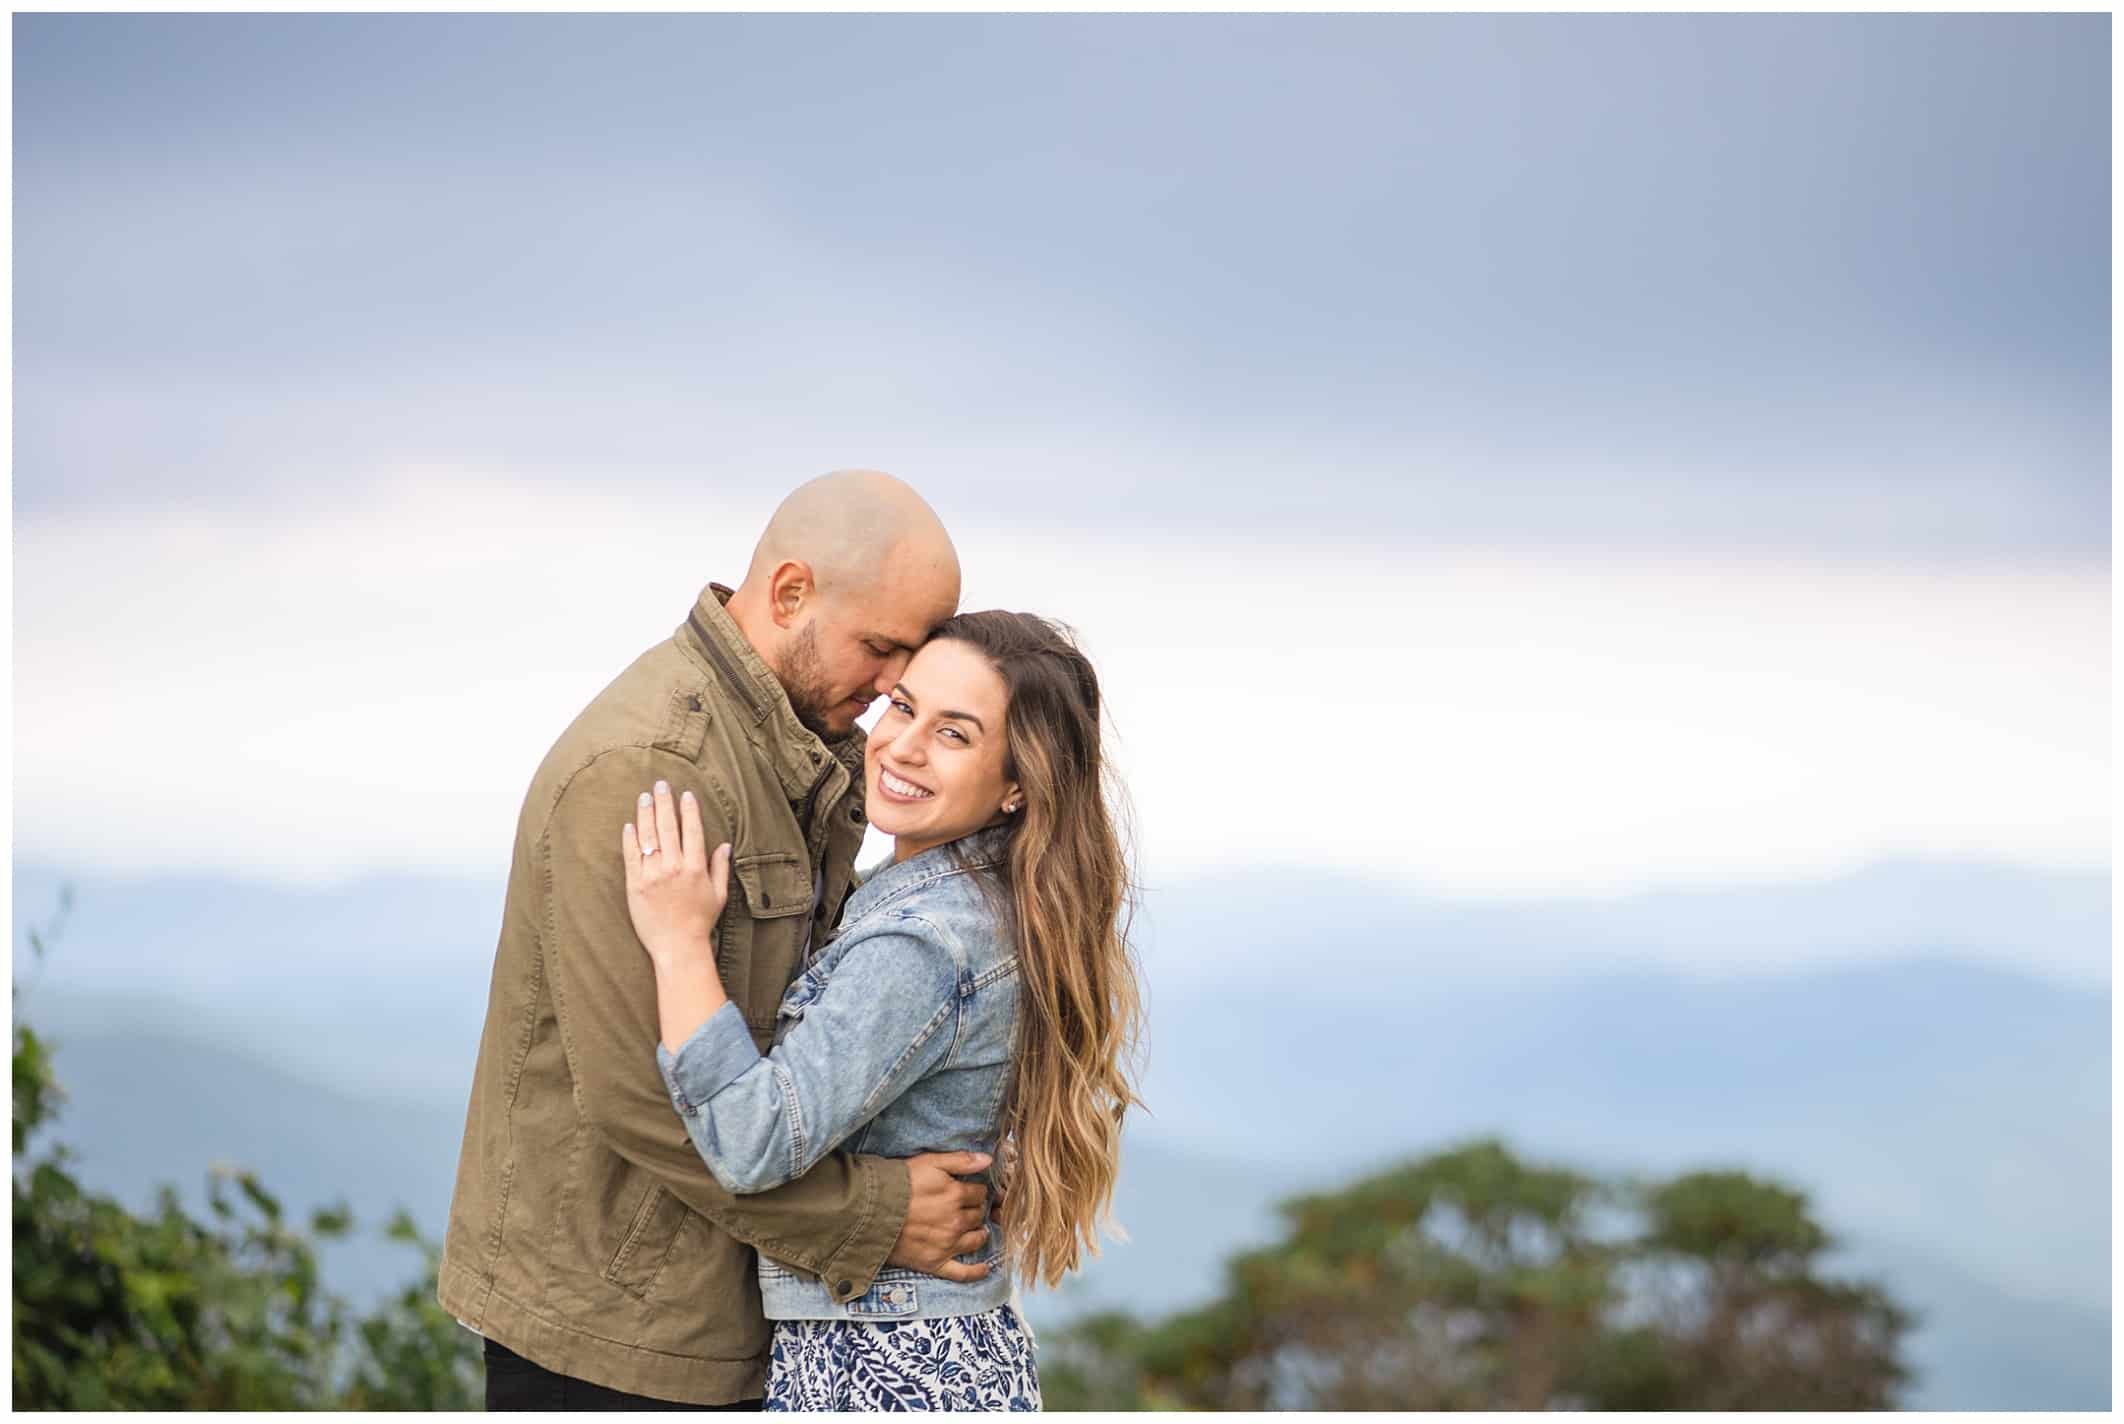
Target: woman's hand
(674, 894)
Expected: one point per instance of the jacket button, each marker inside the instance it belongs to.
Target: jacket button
(855, 814)
(846, 1288)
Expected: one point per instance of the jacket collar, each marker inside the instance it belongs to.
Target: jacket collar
(800, 759)
(889, 881)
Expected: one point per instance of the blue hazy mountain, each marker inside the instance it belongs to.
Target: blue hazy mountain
(1948, 1113)
(384, 979)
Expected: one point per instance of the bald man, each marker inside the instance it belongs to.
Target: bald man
(587, 1241)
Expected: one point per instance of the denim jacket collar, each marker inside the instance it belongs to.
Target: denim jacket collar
(981, 849)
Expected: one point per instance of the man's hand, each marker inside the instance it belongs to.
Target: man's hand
(945, 1216)
(1010, 1169)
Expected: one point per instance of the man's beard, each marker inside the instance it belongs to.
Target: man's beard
(803, 678)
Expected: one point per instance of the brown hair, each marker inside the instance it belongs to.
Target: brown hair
(1069, 897)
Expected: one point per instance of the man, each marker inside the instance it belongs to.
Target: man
(587, 1241)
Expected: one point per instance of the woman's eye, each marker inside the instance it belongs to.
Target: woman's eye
(902, 708)
(954, 732)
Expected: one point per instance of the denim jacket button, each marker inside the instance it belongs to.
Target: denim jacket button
(846, 1288)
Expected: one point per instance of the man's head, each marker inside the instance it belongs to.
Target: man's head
(850, 575)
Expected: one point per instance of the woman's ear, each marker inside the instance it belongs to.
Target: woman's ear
(1013, 798)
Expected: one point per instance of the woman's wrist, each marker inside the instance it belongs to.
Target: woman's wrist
(687, 974)
(680, 954)
(688, 993)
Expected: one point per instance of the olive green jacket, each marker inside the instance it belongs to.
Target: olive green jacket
(585, 1233)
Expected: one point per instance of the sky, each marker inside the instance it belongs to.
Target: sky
(1510, 455)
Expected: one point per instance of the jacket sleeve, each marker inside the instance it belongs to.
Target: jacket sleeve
(884, 1017)
(838, 1221)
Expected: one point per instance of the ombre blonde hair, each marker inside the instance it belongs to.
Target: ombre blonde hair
(1069, 897)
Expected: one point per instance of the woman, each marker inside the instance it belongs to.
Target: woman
(979, 989)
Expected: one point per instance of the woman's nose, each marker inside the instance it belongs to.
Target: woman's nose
(908, 745)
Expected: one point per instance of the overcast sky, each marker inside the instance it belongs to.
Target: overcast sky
(1803, 281)
(1522, 454)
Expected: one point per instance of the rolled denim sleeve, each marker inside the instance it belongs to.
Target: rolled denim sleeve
(886, 1016)
(708, 1062)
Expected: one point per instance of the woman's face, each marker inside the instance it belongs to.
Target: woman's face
(934, 766)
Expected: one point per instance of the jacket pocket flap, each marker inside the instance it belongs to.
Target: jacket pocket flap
(649, 1243)
(774, 884)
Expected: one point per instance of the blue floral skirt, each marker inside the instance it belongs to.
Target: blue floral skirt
(980, 1361)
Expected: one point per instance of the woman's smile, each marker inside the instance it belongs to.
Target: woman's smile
(899, 788)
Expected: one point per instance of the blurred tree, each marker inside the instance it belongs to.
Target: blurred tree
(1731, 1290)
(413, 1354)
(1473, 1280)
(114, 1311)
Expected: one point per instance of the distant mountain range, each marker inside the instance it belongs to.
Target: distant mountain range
(383, 980)
(1247, 925)
(1948, 1115)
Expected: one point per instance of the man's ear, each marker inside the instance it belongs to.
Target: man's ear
(788, 590)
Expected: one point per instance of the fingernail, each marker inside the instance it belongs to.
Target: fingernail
(686, 795)
(663, 788)
(982, 1159)
(645, 798)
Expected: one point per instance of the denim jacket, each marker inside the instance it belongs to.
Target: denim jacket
(895, 1040)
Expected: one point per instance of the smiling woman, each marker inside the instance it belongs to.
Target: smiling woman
(979, 996)
(938, 760)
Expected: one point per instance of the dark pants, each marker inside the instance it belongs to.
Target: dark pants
(513, 1382)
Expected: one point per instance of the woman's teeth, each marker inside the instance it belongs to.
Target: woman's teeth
(898, 787)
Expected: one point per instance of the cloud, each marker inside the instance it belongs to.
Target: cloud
(367, 684)
(1799, 285)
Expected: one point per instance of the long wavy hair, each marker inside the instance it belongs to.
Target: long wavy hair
(1068, 895)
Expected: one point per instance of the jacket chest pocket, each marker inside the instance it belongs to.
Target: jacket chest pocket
(762, 943)
(775, 884)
